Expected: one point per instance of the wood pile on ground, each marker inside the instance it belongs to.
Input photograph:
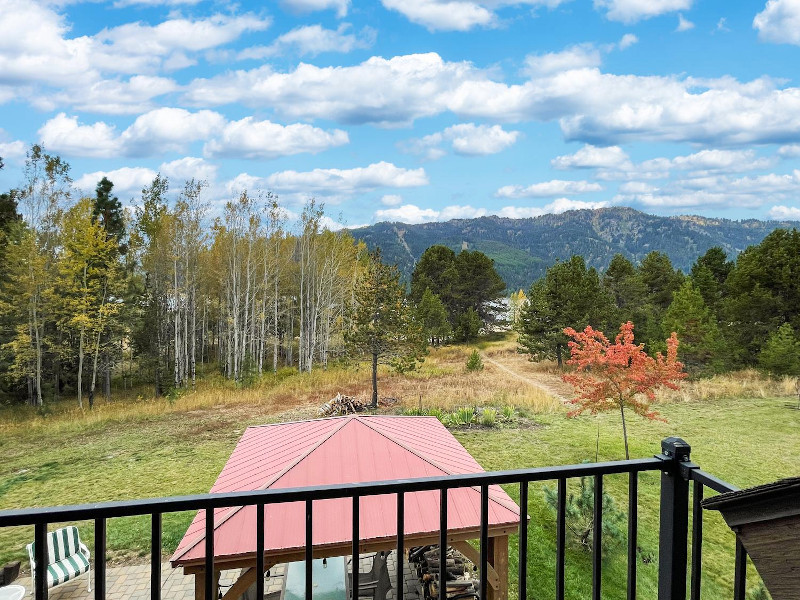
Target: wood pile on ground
(460, 585)
(348, 405)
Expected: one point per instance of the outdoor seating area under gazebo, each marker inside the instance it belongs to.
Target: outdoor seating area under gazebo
(343, 450)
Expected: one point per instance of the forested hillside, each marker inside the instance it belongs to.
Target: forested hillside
(523, 248)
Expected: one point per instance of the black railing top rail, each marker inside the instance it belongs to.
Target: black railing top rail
(710, 481)
(128, 508)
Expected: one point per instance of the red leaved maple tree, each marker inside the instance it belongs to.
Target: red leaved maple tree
(615, 376)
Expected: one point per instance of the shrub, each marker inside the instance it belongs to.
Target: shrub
(436, 412)
(463, 416)
(489, 417)
(509, 412)
(779, 356)
(580, 515)
(475, 362)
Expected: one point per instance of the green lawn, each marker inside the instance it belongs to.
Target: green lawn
(743, 441)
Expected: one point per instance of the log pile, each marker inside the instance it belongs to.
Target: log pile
(426, 560)
(348, 405)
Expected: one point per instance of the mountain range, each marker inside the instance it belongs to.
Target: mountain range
(522, 249)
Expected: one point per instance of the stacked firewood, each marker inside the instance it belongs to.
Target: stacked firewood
(426, 560)
(348, 405)
(343, 405)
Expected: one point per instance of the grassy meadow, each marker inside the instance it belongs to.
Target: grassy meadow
(741, 427)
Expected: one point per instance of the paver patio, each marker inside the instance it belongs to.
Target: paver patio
(132, 582)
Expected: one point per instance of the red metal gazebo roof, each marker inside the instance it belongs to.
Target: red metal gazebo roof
(334, 451)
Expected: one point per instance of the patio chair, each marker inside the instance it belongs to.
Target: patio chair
(67, 557)
(376, 582)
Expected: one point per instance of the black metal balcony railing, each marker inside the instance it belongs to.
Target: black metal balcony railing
(673, 463)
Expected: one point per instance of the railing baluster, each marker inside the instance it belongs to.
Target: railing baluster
(484, 541)
(523, 540)
(401, 528)
(443, 545)
(309, 549)
(597, 537)
(100, 559)
(155, 556)
(697, 539)
(355, 551)
(259, 550)
(561, 534)
(210, 580)
(740, 572)
(633, 531)
(40, 555)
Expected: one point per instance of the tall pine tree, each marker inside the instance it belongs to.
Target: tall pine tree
(382, 324)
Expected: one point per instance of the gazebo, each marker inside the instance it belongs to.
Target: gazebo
(344, 450)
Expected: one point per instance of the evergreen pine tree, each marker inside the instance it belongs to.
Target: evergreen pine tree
(781, 352)
(569, 295)
(382, 325)
(432, 315)
(693, 321)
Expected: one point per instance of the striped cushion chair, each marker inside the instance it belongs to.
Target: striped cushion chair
(67, 557)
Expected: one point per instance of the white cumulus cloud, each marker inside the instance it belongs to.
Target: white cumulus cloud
(457, 15)
(134, 47)
(579, 56)
(408, 213)
(466, 139)
(591, 106)
(128, 181)
(14, 150)
(189, 167)
(779, 22)
(411, 213)
(548, 189)
(631, 11)
(173, 129)
(38, 52)
(249, 138)
(311, 40)
(785, 213)
(391, 91)
(715, 191)
(789, 150)
(593, 157)
(65, 134)
(327, 182)
(557, 206)
(684, 24)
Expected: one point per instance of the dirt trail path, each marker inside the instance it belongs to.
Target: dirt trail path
(545, 387)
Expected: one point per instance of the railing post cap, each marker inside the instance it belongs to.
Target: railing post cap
(677, 448)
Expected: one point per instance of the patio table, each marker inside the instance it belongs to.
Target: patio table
(328, 575)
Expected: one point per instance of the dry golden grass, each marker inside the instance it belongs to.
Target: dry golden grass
(442, 381)
(747, 383)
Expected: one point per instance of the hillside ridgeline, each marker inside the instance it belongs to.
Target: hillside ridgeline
(523, 248)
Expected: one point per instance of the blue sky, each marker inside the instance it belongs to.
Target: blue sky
(416, 110)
